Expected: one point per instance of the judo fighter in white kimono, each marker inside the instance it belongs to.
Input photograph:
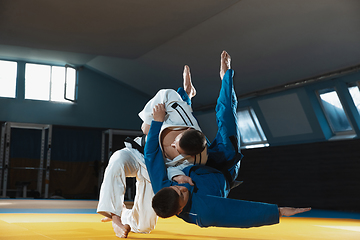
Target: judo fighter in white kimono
(129, 162)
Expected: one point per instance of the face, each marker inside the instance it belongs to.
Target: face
(183, 196)
(176, 144)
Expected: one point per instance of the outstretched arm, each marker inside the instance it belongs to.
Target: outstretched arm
(152, 153)
(159, 113)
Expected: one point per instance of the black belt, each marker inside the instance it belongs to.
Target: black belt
(135, 145)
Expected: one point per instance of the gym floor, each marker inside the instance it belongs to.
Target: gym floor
(75, 219)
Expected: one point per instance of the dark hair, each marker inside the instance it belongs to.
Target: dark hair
(166, 202)
(192, 142)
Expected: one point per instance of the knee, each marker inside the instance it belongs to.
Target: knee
(168, 94)
(120, 158)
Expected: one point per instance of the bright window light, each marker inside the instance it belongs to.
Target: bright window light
(334, 111)
(37, 82)
(355, 94)
(58, 84)
(43, 82)
(8, 73)
(250, 129)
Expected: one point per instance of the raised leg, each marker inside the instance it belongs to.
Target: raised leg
(225, 61)
(224, 151)
(188, 86)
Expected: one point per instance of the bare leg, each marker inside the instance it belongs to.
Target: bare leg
(120, 229)
(188, 87)
(225, 60)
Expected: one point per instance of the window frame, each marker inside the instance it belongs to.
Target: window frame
(66, 100)
(75, 84)
(354, 84)
(336, 134)
(255, 144)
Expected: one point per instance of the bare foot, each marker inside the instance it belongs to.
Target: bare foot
(120, 229)
(225, 60)
(106, 219)
(188, 87)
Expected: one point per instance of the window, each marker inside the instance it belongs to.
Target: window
(70, 84)
(8, 73)
(252, 134)
(355, 94)
(50, 83)
(334, 112)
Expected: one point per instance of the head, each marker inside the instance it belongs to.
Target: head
(170, 201)
(190, 142)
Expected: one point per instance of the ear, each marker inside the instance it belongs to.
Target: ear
(180, 210)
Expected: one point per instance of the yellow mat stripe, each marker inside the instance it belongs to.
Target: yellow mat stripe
(88, 226)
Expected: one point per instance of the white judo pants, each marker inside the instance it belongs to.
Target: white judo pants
(128, 162)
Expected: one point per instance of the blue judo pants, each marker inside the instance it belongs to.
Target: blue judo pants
(224, 151)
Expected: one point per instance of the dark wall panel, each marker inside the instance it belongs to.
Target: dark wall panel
(322, 175)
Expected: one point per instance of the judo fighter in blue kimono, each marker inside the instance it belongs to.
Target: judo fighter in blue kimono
(203, 199)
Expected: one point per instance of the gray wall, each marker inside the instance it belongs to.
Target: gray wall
(294, 116)
(102, 102)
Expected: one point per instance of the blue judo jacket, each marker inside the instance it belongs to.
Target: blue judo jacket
(207, 205)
